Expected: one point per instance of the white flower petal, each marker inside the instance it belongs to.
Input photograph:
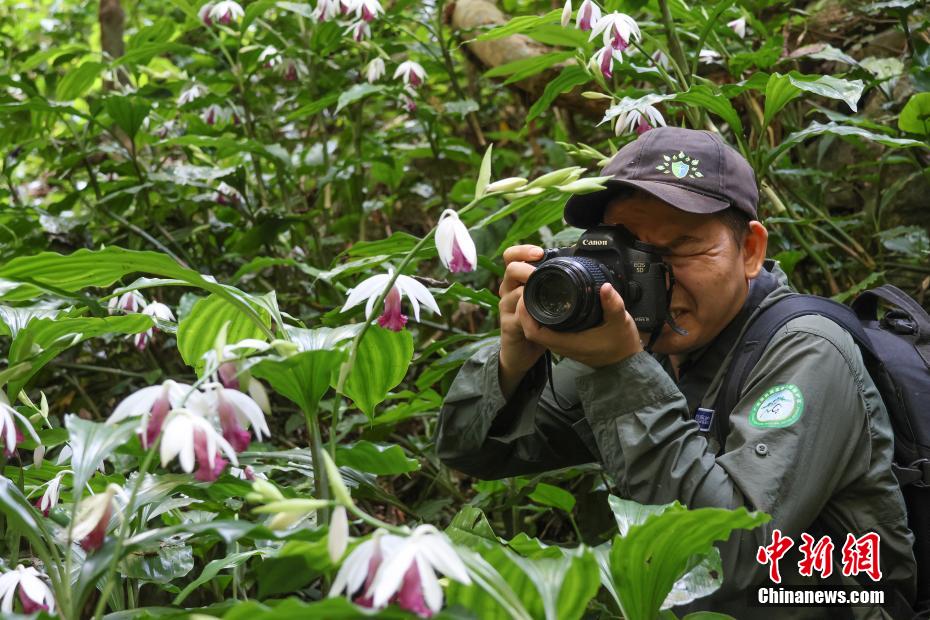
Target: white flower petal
(391, 574)
(442, 556)
(136, 404)
(415, 290)
(338, 536)
(432, 592)
(247, 410)
(365, 289)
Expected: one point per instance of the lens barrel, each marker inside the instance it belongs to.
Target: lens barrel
(564, 293)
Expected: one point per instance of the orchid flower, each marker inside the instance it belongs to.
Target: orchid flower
(269, 57)
(93, 518)
(374, 70)
(357, 574)
(588, 15)
(567, 14)
(412, 73)
(236, 411)
(359, 30)
(227, 194)
(204, 14)
(49, 499)
(640, 119)
(159, 311)
(708, 56)
(131, 301)
(338, 537)
(10, 434)
(190, 437)
(618, 30)
(368, 10)
(326, 9)
(226, 12)
(190, 94)
(152, 405)
(604, 59)
(214, 114)
(33, 592)
(455, 246)
(391, 318)
(739, 27)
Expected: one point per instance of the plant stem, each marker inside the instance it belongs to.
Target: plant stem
(320, 482)
(677, 52)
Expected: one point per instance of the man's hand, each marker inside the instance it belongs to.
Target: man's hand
(612, 341)
(518, 354)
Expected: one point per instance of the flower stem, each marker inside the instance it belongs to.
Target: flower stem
(123, 532)
(320, 482)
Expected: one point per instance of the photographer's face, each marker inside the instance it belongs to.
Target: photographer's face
(712, 271)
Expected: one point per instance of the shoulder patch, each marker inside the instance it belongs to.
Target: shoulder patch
(778, 406)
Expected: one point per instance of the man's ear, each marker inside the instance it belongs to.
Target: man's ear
(754, 245)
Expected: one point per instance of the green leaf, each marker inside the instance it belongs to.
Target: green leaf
(829, 86)
(526, 67)
(355, 93)
(212, 569)
(647, 562)
(49, 55)
(91, 443)
(314, 107)
(564, 584)
(382, 361)
(381, 460)
(470, 527)
(569, 78)
(165, 564)
(22, 517)
(484, 173)
(128, 112)
(43, 339)
(198, 331)
(490, 596)
(549, 495)
(86, 268)
(816, 129)
(302, 378)
(779, 91)
(704, 96)
(337, 608)
(521, 24)
(77, 81)
(915, 117)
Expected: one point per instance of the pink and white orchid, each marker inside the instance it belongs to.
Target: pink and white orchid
(93, 518)
(391, 318)
(155, 310)
(605, 57)
(453, 243)
(226, 12)
(326, 9)
(193, 440)
(641, 118)
(131, 301)
(374, 70)
(739, 27)
(29, 585)
(368, 10)
(360, 30)
(195, 91)
(152, 405)
(566, 14)
(618, 30)
(588, 15)
(236, 413)
(214, 114)
(10, 433)
(393, 569)
(412, 73)
(49, 499)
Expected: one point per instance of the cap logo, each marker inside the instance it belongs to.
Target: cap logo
(680, 165)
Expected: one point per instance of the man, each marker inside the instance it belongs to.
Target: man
(808, 439)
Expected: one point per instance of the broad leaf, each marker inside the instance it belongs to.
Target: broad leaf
(704, 97)
(549, 495)
(382, 460)
(382, 361)
(646, 563)
(91, 443)
(303, 378)
(569, 78)
(128, 112)
(164, 565)
(198, 331)
(212, 569)
(915, 117)
(78, 81)
(816, 129)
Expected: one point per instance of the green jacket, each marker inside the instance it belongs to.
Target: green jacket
(826, 451)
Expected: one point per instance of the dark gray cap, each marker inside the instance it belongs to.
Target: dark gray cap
(689, 169)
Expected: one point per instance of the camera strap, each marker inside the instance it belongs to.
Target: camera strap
(555, 396)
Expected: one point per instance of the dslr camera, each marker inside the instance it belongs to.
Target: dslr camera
(564, 292)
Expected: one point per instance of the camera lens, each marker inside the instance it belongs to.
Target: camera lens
(563, 293)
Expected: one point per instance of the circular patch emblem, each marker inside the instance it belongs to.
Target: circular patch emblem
(777, 407)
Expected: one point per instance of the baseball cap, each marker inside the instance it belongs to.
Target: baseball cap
(692, 170)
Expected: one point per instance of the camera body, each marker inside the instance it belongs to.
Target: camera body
(564, 292)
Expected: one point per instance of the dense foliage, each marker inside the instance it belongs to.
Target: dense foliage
(196, 414)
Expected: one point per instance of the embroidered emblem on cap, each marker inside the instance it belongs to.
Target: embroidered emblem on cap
(680, 165)
(778, 406)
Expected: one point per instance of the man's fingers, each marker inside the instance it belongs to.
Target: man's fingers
(611, 302)
(508, 302)
(515, 275)
(522, 253)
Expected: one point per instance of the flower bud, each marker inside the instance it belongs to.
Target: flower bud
(556, 177)
(535, 191)
(505, 185)
(267, 491)
(590, 94)
(584, 186)
(337, 486)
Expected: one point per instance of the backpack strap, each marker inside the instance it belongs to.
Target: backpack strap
(760, 331)
(910, 317)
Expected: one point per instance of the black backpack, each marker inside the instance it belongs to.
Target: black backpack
(896, 352)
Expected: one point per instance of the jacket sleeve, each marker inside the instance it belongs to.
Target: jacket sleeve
(786, 462)
(486, 436)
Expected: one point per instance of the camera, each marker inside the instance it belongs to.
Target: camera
(564, 292)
